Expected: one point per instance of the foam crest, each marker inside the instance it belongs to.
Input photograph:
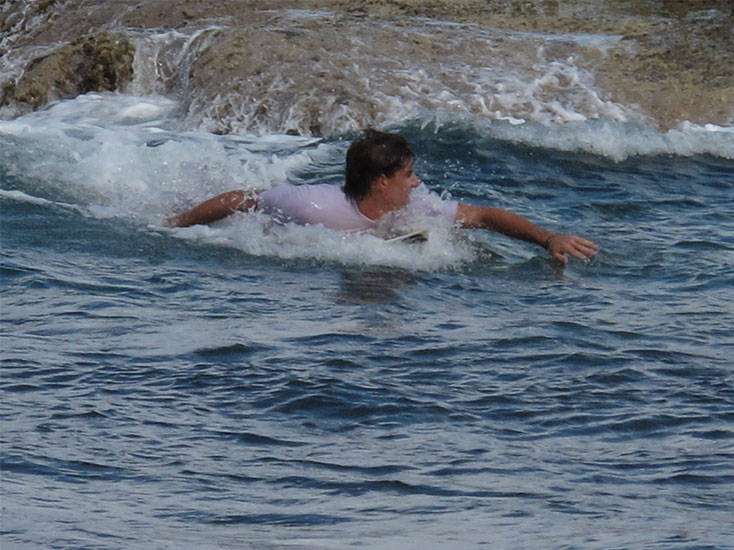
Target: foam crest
(257, 235)
(615, 140)
(104, 111)
(111, 156)
(118, 151)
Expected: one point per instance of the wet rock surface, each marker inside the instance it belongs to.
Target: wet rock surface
(249, 64)
(90, 64)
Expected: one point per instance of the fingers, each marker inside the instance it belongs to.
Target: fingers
(575, 246)
(578, 254)
(586, 247)
(560, 256)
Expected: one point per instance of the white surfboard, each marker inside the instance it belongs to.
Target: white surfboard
(419, 236)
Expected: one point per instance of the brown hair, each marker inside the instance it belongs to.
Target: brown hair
(371, 156)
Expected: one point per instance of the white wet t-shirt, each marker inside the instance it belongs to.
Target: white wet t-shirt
(329, 206)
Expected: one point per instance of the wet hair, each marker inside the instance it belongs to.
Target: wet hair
(372, 155)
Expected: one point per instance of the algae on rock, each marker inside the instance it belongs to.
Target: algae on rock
(97, 63)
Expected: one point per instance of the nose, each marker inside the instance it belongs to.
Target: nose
(416, 182)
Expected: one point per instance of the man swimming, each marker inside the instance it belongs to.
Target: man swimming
(379, 185)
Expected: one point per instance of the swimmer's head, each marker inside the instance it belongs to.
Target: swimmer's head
(373, 155)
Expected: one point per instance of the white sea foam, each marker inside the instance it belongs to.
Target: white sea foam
(484, 72)
(106, 141)
(616, 140)
(88, 155)
(257, 235)
(111, 155)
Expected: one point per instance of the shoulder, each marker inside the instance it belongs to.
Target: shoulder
(302, 191)
(427, 203)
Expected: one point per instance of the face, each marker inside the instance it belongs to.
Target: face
(396, 189)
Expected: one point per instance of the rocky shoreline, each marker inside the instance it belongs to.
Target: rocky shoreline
(671, 61)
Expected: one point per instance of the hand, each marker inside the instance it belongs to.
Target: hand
(559, 246)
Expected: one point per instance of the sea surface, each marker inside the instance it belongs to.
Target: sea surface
(255, 386)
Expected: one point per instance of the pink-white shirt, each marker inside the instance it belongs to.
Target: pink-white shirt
(329, 206)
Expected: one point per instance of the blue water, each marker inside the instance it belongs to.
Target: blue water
(200, 389)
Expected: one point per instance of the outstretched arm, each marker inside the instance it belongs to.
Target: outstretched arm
(215, 209)
(517, 227)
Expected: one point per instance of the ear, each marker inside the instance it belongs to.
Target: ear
(381, 181)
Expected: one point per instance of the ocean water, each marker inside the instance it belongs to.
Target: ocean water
(248, 385)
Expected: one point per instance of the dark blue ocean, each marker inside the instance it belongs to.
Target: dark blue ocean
(254, 386)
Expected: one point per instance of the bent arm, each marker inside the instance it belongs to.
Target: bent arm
(215, 209)
(515, 226)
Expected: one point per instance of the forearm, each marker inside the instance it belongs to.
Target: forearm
(513, 225)
(503, 221)
(214, 209)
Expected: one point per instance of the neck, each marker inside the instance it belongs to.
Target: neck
(372, 207)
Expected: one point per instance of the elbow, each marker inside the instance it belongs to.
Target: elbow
(470, 216)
